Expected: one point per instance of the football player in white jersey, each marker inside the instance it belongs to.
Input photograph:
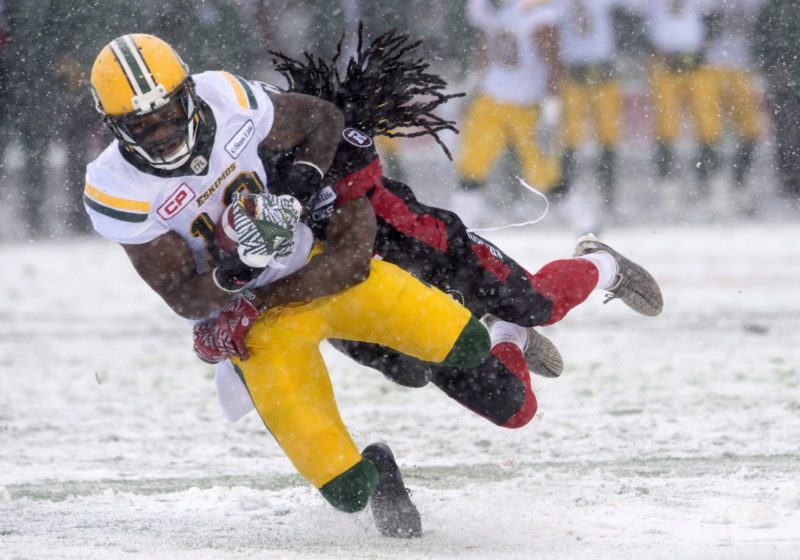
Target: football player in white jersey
(590, 93)
(680, 77)
(186, 146)
(731, 25)
(520, 54)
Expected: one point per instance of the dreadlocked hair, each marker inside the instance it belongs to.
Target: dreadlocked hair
(384, 90)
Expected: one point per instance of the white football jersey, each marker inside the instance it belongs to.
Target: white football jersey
(676, 26)
(131, 203)
(586, 31)
(516, 72)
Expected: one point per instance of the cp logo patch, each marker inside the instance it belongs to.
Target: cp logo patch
(182, 196)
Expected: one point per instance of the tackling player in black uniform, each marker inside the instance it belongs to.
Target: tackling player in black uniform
(380, 93)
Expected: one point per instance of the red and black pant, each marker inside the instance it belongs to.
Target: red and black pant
(435, 245)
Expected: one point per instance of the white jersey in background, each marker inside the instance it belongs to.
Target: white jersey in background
(516, 72)
(731, 47)
(586, 31)
(676, 26)
(133, 204)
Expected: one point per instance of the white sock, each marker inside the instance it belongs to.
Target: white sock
(503, 331)
(606, 266)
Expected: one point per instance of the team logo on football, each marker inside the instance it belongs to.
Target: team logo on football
(239, 140)
(182, 196)
(357, 138)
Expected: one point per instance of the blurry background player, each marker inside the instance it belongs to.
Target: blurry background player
(680, 79)
(729, 26)
(590, 92)
(519, 54)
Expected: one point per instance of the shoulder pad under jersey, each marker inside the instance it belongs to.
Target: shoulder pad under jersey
(120, 200)
(227, 93)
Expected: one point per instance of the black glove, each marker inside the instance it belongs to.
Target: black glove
(301, 180)
(233, 274)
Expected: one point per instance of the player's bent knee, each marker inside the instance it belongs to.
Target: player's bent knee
(471, 348)
(351, 490)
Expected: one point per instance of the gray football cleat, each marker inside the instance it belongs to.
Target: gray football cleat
(633, 285)
(541, 355)
(394, 513)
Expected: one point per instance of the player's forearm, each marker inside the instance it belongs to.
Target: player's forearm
(307, 126)
(166, 264)
(315, 280)
(196, 297)
(320, 143)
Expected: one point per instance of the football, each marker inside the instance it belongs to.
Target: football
(263, 233)
(225, 237)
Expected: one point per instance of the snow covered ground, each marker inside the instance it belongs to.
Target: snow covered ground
(676, 437)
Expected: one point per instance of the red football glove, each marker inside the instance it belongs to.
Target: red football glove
(223, 336)
(211, 345)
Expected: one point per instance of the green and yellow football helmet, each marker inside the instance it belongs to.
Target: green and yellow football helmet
(137, 76)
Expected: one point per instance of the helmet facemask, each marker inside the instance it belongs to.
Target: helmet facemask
(137, 131)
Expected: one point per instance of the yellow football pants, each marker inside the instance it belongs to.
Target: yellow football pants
(598, 104)
(738, 101)
(489, 128)
(288, 380)
(697, 89)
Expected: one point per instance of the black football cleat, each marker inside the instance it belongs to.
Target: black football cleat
(394, 513)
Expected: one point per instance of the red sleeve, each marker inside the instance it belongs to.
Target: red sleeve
(357, 183)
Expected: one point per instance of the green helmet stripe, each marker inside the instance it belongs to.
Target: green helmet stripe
(133, 65)
(250, 97)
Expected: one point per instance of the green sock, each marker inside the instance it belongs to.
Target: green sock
(471, 348)
(351, 490)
